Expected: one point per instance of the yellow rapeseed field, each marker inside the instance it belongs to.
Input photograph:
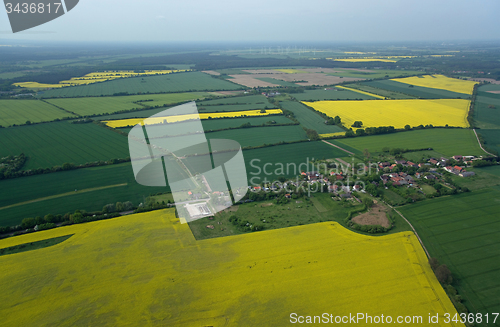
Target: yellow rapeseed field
(291, 71)
(327, 135)
(359, 91)
(440, 82)
(364, 60)
(174, 119)
(397, 113)
(148, 270)
(95, 77)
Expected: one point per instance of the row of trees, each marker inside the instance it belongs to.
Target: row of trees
(66, 166)
(79, 216)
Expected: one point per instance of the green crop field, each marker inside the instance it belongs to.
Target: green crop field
(382, 92)
(232, 71)
(447, 142)
(330, 94)
(487, 117)
(178, 82)
(239, 100)
(255, 136)
(249, 102)
(9, 75)
(134, 114)
(53, 144)
(491, 139)
(55, 193)
(292, 158)
(310, 119)
(261, 135)
(493, 170)
(103, 105)
(484, 177)
(19, 111)
(370, 74)
(224, 104)
(416, 91)
(216, 124)
(462, 232)
(489, 87)
(487, 110)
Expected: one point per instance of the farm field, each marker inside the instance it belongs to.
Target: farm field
(440, 82)
(180, 118)
(259, 101)
(17, 112)
(303, 79)
(397, 113)
(261, 135)
(94, 78)
(276, 81)
(102, 105)
(54, 193)
(448, 142)
(54, 144)
(485, 177)
(492, 139)
(330, 94)
(372, 73)
(151, 270)
(292, 159)
(220, 105)
(178, 82)
(365, 87)
(462, 232)
(216, 124)
(246, 137)
(486, 110)
(365, 60)
(494, 86)
(413, 91)
(310, 119)
(234, 107)
(362, 92)
(487, 118)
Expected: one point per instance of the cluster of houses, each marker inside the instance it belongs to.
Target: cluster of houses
(314, 176)
(459, 171)
(432, 162)
(398, 179)
(404, 163)
(270, 94)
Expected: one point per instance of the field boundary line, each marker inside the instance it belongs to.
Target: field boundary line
(338, 147)
(376, 96)
(477, 137)
(62, 195)
(61, 108)
(416, 234)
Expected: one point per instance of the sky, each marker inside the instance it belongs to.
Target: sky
(268, 21)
